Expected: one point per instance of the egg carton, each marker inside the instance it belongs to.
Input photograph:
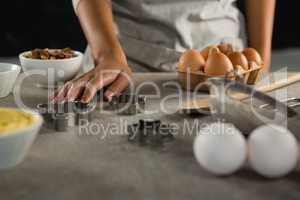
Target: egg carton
(196, 80)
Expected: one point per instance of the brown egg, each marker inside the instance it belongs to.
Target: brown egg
(204, 52)
(237, 58)
(191, 60)
(252, 56)
(217, 64)
(225, 48)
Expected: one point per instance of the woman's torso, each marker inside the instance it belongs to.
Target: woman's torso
(153, 32)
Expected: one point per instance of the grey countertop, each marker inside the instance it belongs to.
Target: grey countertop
(72, 165)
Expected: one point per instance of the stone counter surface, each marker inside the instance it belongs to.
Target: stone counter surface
(71, 165)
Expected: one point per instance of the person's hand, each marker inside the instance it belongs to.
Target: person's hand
(111, 71)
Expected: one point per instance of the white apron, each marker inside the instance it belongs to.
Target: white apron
(154, 32)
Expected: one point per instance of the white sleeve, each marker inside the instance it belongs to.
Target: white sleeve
(75, 4)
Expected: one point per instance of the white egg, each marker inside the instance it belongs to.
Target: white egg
(273, 151)
(220, 148)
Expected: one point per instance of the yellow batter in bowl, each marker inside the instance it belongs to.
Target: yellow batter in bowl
(12, 120)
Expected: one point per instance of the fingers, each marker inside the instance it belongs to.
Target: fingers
(96, 84)
(88, 86)
(71, 90)
(89, 91)
(66, 93)
(118, 85)
(60, 93)
(52, 97)
(75, 91)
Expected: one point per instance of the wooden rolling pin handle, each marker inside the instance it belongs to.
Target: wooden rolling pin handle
(280, 84)
(204, 103)
(273, 86)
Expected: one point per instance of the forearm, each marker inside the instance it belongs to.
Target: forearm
(96, 20)
(260, 16)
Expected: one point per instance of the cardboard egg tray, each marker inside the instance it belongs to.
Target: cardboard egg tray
(195, 80)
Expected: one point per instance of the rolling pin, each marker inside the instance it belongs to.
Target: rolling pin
(203, 104)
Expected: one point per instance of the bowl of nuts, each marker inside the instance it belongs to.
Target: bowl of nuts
(50, 67)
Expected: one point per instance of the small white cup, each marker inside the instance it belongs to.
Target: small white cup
(8, 75)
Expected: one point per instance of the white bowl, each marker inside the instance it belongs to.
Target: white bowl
(15, 145)
(50, 73)
(8, 76)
